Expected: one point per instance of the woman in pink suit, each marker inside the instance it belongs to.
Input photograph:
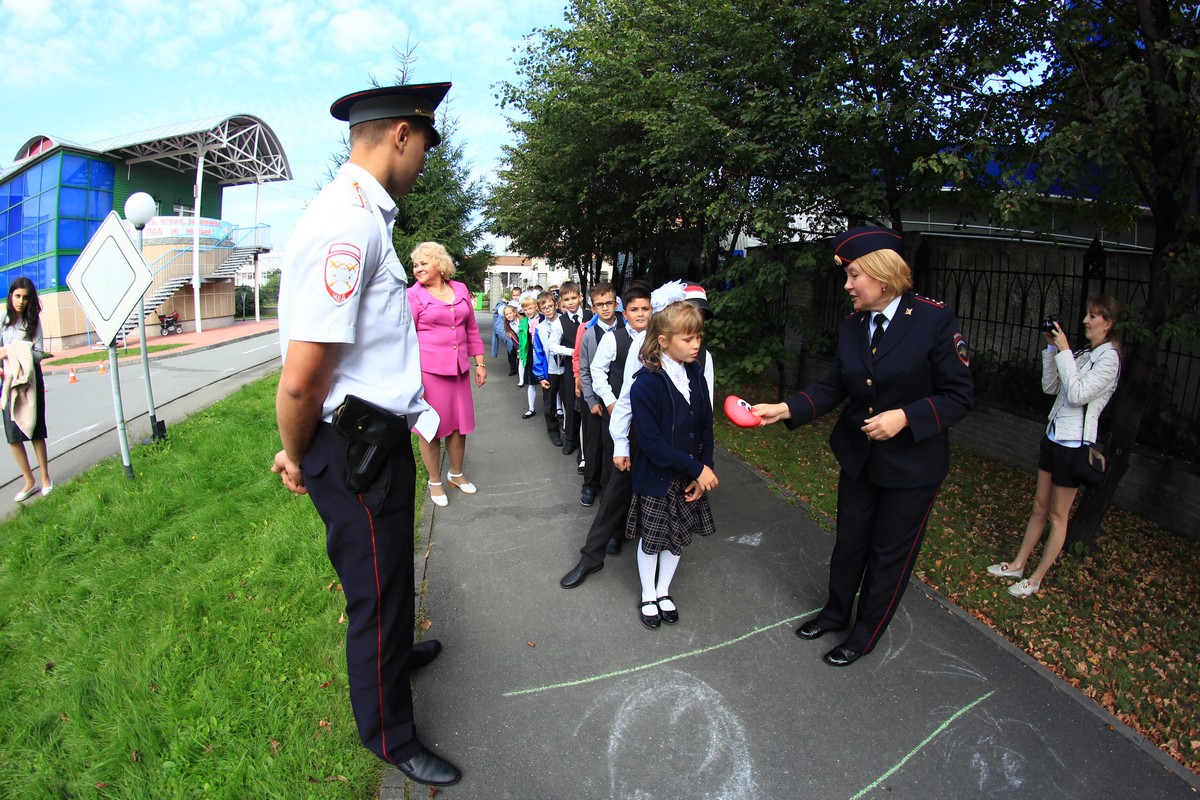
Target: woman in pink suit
(444, 314)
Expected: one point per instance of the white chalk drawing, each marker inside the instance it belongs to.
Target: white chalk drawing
(671, 717)
(751, 539)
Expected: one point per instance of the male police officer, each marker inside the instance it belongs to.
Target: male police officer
(347, 337)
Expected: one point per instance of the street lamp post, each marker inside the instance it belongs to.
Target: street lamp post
(140, 208)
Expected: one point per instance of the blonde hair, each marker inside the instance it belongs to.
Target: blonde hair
(681, 318)
(889, 268)
(438, 255)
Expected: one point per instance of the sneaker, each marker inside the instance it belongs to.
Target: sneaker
(1004, 571)
(1024, 588)
(587, 496)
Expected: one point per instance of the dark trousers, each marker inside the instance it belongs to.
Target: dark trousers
(597, 448)
(570, 403)
(512, 360)
(369, 539)
(609, 522)
(879, 534)
(550, 405)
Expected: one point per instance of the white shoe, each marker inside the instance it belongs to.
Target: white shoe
(1024, 588)
(1004, 571)
(439, 500)
(466, 487)
(47, 489)
(25, 494)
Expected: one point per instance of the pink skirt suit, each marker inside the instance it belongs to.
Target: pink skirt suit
(449, 339)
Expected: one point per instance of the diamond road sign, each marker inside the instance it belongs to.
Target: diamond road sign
(109, 278)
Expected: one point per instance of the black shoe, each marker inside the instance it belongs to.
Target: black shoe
(650, 620)
(424, 653)
(527, 415)
(569, 448)
(668, 617)
(578, 575)
(556, 441)
(579, 468)
(815, 630)
(512, 372)
(587, 496)
(429, 768)
(841, 656)
(613, 547)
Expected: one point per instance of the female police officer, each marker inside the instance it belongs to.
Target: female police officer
(902, 367)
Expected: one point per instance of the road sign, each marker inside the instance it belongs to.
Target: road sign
(109, 278)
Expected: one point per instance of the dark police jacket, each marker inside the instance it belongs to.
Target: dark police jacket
(674, 436)
(922, 367)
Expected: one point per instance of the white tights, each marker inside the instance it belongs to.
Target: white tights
(665, 564)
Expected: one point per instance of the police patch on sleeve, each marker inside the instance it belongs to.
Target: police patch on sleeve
(960, 347)
(343, 267)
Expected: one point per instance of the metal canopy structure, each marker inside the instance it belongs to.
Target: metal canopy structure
(236, 150)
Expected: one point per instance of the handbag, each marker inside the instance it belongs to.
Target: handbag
(1090, 462)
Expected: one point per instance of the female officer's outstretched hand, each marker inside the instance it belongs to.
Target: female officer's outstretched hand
(771, 412)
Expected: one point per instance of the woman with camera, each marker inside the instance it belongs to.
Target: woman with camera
(1083, 383)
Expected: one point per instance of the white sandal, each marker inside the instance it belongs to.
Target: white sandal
(439, 500)
(465, 488)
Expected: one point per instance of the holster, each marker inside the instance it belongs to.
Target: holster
(371, 432)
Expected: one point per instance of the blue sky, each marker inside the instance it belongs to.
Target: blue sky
(85, 71)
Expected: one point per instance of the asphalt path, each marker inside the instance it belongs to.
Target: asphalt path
(81, 420)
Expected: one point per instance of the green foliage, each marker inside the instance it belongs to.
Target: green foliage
(180, 634)
(749, 318)
(442, 207)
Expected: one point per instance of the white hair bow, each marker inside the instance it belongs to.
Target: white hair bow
(670, 292)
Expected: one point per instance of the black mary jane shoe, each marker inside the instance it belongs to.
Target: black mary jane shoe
(527, 415)
(668, 617)
(651, 620)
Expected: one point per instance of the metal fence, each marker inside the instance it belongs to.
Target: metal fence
(1003, 294)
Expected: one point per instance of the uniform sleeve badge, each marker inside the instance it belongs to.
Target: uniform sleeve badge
(960, 347)
(343, 267)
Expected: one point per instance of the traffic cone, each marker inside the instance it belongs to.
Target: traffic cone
(103, 367)
(73, 379)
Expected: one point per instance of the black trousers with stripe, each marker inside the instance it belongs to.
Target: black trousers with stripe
(879, 534)
(369, 539)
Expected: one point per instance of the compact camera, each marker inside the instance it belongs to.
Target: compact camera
(1048, 323)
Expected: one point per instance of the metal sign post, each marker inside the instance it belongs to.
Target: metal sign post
(108, 280)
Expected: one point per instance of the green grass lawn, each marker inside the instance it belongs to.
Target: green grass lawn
(178, 635)
(1122, 625)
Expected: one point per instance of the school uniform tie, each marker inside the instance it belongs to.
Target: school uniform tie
(877, 334)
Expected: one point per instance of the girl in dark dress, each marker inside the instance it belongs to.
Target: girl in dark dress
(22, 323)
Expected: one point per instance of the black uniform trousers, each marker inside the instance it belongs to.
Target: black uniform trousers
(550, 405)
(597, 447)
(609, 522)
(369, 539)
(879, 534)
(570, 404)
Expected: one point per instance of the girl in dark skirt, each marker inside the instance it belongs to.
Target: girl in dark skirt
(22, 323)
(673, 461)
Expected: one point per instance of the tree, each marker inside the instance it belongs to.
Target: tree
(1113, 114)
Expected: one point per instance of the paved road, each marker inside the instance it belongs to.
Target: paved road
(80, 417)
(553, 694)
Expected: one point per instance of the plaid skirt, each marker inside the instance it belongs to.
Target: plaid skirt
(667, 523)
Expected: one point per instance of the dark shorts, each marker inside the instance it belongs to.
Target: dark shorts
(1059, 461)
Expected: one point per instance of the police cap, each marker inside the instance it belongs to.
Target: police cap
(857, 242)
(392, 102)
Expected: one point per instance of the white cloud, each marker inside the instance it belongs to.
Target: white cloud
(28, 17)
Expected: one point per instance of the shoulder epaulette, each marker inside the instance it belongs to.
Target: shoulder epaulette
(930, 301)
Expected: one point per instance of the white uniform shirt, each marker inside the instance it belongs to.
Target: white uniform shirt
(551, 336)
(342, 283)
